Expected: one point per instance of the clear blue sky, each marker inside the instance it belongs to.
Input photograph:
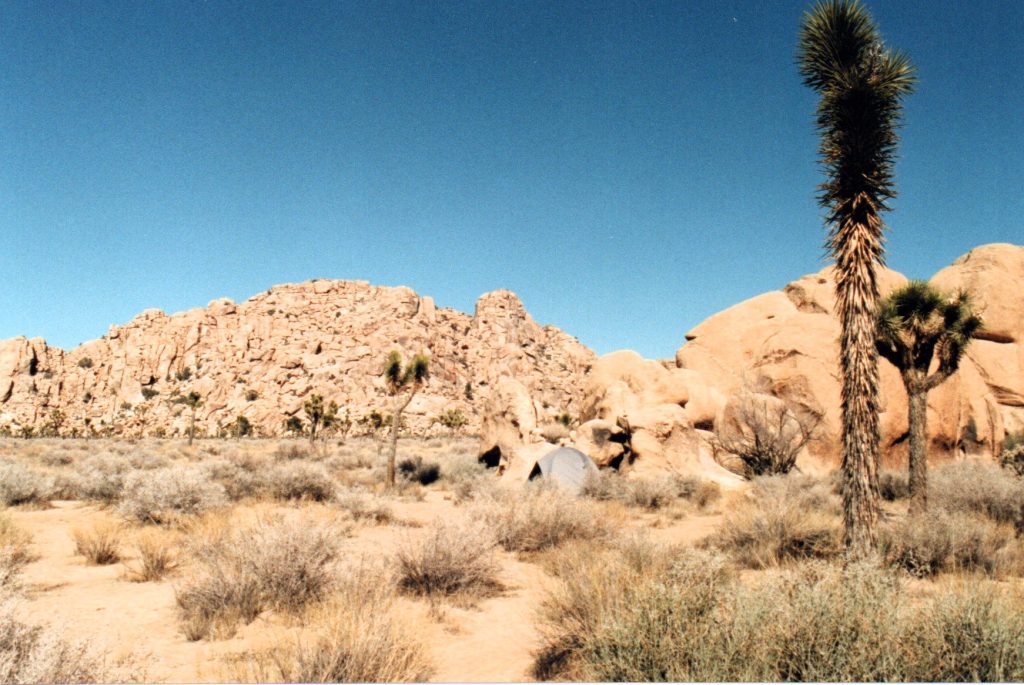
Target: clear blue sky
(627, 168)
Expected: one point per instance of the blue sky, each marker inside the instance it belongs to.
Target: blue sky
(627, 168)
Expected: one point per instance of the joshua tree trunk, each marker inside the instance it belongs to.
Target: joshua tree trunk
(312, 432)
(859, 362)
(396, 423)
(917, 423)
(192, 428)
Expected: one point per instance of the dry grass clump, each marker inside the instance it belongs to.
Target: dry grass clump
(57, 457)
(539, 517)
(147, 461)
(14, 552)
(19, 485)
(978, 487)
(165, 495)
(787, 517)
(611, 621)
(156, 555)
(936, 542)
(300, 480)
(365, 507)
(355, 637)
(100, 544)
(281, 562)
(33, 654)
(452, 558)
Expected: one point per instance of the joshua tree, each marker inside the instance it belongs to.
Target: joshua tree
(193, 401)
(319, 415)
(917, 323)
(861, 85)
(399, 378)
(452, 419)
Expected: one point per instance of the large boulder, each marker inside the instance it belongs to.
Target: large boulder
(786, 343)
(509, 423)
(648, 404)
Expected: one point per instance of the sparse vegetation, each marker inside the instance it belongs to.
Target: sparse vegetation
(301, 480)
(19, 485)
(156, 555)
(764, 435)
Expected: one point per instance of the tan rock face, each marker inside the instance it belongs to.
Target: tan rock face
(787, 342)
(262, 358)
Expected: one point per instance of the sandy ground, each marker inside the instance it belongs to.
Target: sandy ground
(491, 641)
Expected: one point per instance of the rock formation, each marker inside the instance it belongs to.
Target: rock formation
(659, 416)
(264, 357)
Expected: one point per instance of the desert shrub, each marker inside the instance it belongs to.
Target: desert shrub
(85, 363)
(1012, 455)
(14, 552)
(356, 637)
(787, 517)
(238, 482)
(601, 589)
(764, 434)
(33, 654)
(451, 558)
(893, 485)
(19, 485)
(928, 544)
(165, 495)
(292, 451)
(100, 544)
(649, 493)
(57, 457)
(554, 432)
(279, 562)
(539, 517)
(365, 507)
(817, 622)
(301, 480)
(415, 469)
(978, 487)
(101, 477)
(156, 555)
(147, 461)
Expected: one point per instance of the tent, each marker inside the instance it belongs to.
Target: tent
(566, 467)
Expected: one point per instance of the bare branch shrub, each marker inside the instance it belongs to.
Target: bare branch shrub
(763, 435)
(165, 495)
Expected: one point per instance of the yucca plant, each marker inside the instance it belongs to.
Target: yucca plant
(401, 378)
(916, 324)
(861, 85)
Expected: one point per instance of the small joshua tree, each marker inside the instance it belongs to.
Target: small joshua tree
(403, 382)
(452, 419)
(917, 323)
(319, 416)
(193, 401)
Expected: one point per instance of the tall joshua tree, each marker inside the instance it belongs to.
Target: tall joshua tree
(916, 324)
(861, 85)
(403, 382)
(193, 401)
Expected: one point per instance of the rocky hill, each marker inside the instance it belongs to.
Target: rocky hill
(264, 357)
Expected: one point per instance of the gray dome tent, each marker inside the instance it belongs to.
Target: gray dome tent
(566, 467)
